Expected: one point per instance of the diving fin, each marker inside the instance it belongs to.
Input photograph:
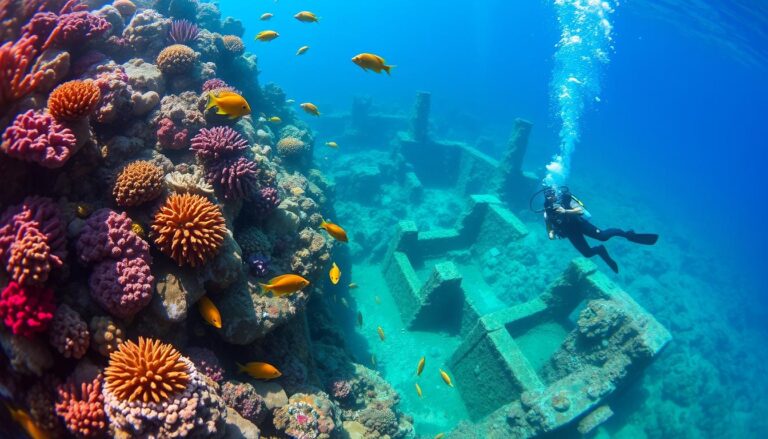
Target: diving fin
(642, 238)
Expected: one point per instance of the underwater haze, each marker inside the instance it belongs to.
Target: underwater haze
(397, 219)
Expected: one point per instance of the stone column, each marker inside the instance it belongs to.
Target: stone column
(421, 117)
(513, 186)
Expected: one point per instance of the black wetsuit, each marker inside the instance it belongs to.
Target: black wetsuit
(575, 227)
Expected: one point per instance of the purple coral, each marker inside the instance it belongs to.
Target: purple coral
(244, 399)
(206, 362)
(122, 287)
(217, 142)
(258, 264)
(77, 28)
(266, 200)
(69, 333)
(115, 94)
(39, 138)
(183, 32)
(170, 136)
(108, 234)
(340, 389)
(236, 178)
(216, 84)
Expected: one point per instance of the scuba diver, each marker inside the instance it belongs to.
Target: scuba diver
(566, 217)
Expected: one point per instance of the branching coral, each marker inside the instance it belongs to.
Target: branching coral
(26, 310)
(144, 372)
(69, 333)
(217, 142)
(74, 100)
(77, 28)
(138, 183)
(16, 76)
(82, 408)
(176, 59)
(189, 229)
(39, 138)
(188, 183)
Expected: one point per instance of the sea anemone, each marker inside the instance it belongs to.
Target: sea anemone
(233, 45)
(217, 142)
(148, 371)
(176, 59)
(74, 100)
(138, 183)
(189, 229)
(183, 32)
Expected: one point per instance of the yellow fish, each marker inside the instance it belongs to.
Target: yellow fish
(420, 367)
(267, 35)
(332, 144)
(285, 284)
(310, 108)
(381, 333)
(228, 104)
(439, 436)
(266, 16)
(275, 119)
(306, 17)
(334, 230)
(359, 318)
(334, 274)
(209, 312)
(445, 377)
(25, 421)
(302, 50)
(418, 389)
(369, 61)
(352, 286)
(260, 371)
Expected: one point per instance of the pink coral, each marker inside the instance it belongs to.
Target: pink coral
(207, 363)
(77, 28)
(116, 94)
(171, 137)
(217, 84)
(217, 142)
(30, 259)
(108, 234)
(236, 178)
(122, 287)
(17, 79)
(26, 310)
(39, 138)
(82, 409)
(69, 333)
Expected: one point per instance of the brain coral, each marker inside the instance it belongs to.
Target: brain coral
(74, 100)
(108, 234)
(176, 59)
(189, 229)
(123, 287)
(233, 45)
(83, 410)
(39, 138)
(178, 402)
(217, 142)
(290, 146)
(131, 365)
(138, 183)
(69, 333)
(26, 310)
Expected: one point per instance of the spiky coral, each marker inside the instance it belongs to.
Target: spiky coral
(26, 310)
(138, 183)
(148, 371)
(176, 59)
(183, 32)
(82, 409)
(217, 142)
(39, 138)
(189, 229)
(74, 100)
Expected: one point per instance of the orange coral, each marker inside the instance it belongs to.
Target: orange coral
(289, 146)
(83, 411)
(176, 59)
(148, 371)
(189, 229)
(233, 44)
(138, 182)
(74, 100)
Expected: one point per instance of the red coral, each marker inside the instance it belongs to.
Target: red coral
(171, 137)
(77, 28)
(83, 410)
(39, 138)
(26, 310)
(16, 76)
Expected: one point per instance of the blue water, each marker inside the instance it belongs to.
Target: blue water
(677, 139)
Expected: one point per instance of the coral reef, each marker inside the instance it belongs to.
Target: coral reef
(206, 363)
(189, 228)
(82, 408)
(122, 287)
(176, 59)
(311, 416)
(218, 142)
(183, 32)
(290, 146)
(244, 398)
(191, 182)
(233, 45)
(138, 183)
(236, 178)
